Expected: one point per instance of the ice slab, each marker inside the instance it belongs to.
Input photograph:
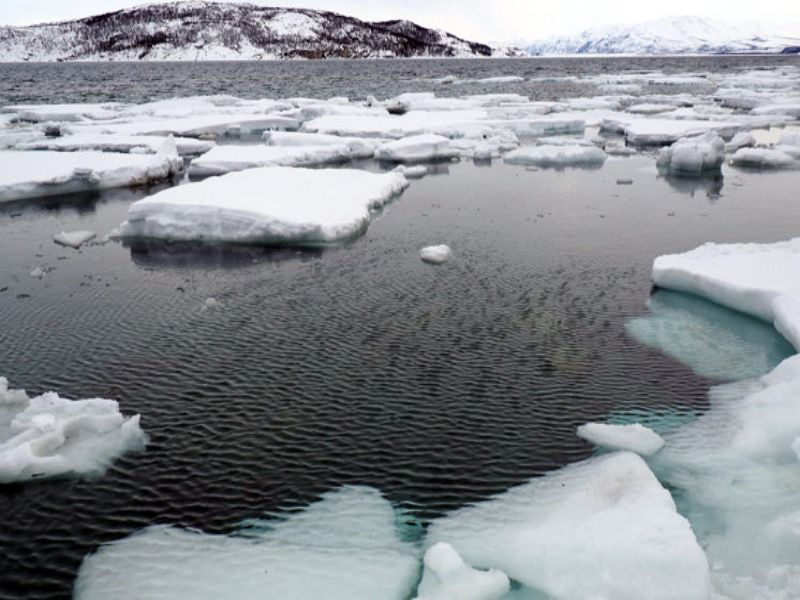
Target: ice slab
(417, 148)
(757, 279)
(764, 158)
(228, 158)
(40, 113)
(575, 155)
(36, 174)
(346, 546)
(50, 436)
(74, 239)
(634, 437)
(141, 144)
(693, 156)
(436, 254)
(448, 577)
(269, 205)
(356, 147)
(449, 123)
(713, 341)
(602, 528)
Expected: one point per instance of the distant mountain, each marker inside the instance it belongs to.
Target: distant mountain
(675, 35)
(203, 30)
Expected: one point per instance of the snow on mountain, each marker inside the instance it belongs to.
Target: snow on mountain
(204, 30)
(675, 35)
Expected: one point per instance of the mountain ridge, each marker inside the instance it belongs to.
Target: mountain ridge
(192, 30)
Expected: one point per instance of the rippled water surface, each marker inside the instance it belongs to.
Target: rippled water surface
(357, 364)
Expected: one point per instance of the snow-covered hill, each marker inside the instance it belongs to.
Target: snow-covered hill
(675, 35)
(204, 30)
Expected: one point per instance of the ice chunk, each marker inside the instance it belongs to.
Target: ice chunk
(269, 205)
(758, 279)
(412, 172)
(224, 159)
(436, 254)
(713, 341)
(634, 437)
(50, 436)
(40, 113)
(448, 577)
(38, 273)
(693, 156)
(603, 528)
(147, 144)
(74, 239)
(28, 175)
(576, 155)
(417, 148)
(743, 139)
(344, 547)
(765, 158)
(357, 147)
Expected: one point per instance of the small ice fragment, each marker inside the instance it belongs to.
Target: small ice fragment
(635, 437)
(436, 254)
(74, 239)
(38, 273)
(624, 181)
(412, 172)
(448, 577)
(448, 79)
(211, 303)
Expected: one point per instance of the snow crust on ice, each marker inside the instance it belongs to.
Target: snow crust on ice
(269, 205)
(49, 436)
(35, 174)
(74, 239)
(561, 155)
(436, 254)
(713, 341)
(693, 156)
(227, 158)
(765, 158)
(417, 148)
(146, 144)
(448, 577)
(602, 528)
(757, 279)
(634, 437)
(346, 546)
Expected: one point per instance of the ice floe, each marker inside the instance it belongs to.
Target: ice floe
(574, 155)
(269, 205)
(356, 147)
(227, 158)
(74, 239)
(634, 437)
(50, 436)
(602, 528)
(693, 156)
(141, 144)
(436, 254)
(35, 174)
(765, 158)
(345, 546)
(417, 148)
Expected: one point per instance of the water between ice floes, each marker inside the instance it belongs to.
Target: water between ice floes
(360, 365)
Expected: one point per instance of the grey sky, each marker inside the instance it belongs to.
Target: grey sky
(482, 20)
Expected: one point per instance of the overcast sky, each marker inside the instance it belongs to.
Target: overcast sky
(481, 20)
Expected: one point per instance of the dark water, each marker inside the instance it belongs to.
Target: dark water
(141, 82)
(358, 364)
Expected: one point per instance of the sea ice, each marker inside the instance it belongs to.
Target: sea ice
(693, 156)
(346, 546)
(227, 158)
(74, 239)
(35, 174)
(766, 158)
(356, 147)
(575, 155)
(436, 254)
(448, 577)
(413, 171)
(743, 139)
(416, 148)
(49, 436)
(634, 437)
(602, 528)
(269, 205)
(142, 144)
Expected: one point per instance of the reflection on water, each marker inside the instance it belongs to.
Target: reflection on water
(715, 342)
(708, 184)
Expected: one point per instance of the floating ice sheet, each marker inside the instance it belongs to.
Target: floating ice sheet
(344, 547)
(269, 205)
(228, 158)
(417, 148)
(141, 144)
(49, 436)
(576, 155)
